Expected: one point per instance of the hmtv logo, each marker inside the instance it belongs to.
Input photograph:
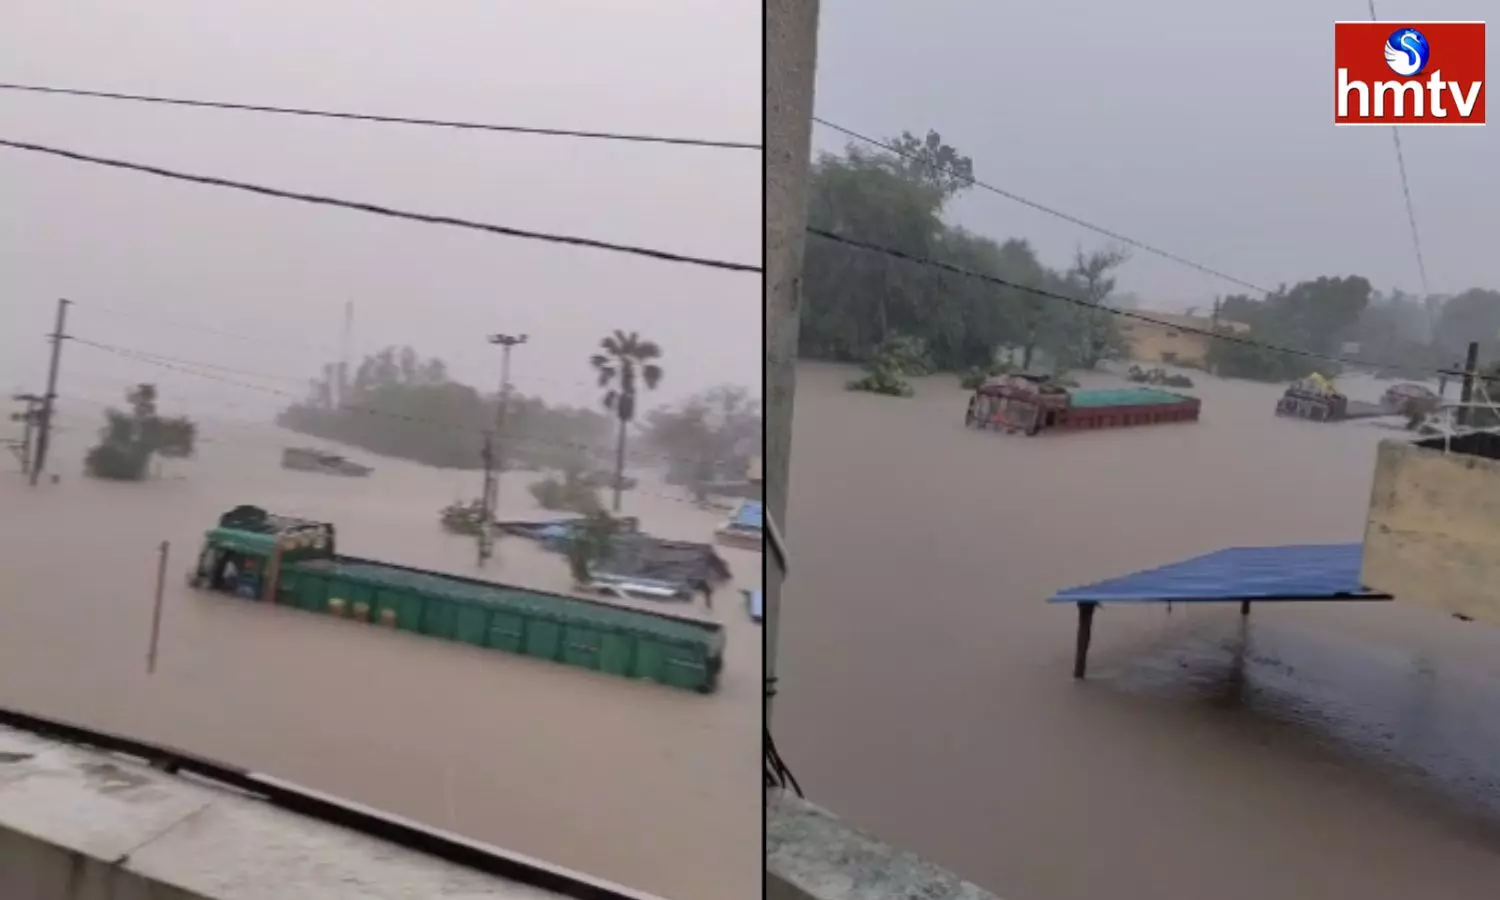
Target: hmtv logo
(1408, 73)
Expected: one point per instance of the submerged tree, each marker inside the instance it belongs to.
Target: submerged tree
(626, 365)
(590, 543)
(128, 440)
(709, 437)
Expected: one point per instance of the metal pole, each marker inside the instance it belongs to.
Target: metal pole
(500, 416)
(485, 539)
(44, 433)
(791, 62)
(507, 342)
(161, 583)
(1466, 396)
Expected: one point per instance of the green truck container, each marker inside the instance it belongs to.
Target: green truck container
(293, 562)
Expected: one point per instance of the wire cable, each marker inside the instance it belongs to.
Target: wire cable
(264, 337)
(386, 120)
(778, 773)
(375, 209)
(1226, 336)
(329, 349)
(1411, 212)
(1055, 213)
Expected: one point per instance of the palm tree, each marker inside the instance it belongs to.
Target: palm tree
(626, 361)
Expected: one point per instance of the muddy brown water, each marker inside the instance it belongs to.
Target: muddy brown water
(648, 786)
(1314, 750)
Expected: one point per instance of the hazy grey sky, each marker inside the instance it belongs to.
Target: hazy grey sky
(1202, 128)
(280, 272)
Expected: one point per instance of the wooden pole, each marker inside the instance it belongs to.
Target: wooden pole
(161, 584)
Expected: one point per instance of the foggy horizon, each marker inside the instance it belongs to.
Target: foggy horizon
(1211, 137)
(158, 266)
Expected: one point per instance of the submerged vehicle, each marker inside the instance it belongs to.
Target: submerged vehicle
(627, 588)
(311, 459)
(463, 518)
(1317, 400)
(1403, 398)
(1159, 376)
(294, 562)
(755, 605)
(745, 528)
(1033, 404)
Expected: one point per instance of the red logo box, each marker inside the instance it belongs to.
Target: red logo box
(1448, 89)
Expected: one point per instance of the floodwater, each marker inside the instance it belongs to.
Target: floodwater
(1314, 750)
(647, 786)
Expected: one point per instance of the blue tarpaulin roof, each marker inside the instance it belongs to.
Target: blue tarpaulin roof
(1296, 572)
(751, 514)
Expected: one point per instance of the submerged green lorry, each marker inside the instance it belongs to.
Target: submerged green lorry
(294, 562)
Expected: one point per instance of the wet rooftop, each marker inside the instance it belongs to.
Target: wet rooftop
(78, 822)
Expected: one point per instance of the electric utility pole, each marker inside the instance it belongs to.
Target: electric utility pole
(28, 418)
(49, 399)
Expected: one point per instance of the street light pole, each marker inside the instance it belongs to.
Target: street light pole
(506, 342)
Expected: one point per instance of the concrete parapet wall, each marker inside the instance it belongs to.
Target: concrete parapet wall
(82, 824)
(1432, 538)
(811, 855)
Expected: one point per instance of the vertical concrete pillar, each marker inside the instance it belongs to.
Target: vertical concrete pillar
(791, 61)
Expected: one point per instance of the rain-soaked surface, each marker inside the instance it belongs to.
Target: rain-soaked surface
(648, 786)
(1311, 750)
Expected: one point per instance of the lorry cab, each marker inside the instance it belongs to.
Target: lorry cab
(244, 554)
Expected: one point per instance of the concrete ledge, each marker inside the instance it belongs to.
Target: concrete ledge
(83, 824)
(811, 855)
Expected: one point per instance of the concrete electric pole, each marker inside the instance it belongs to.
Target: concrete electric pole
(49, 399)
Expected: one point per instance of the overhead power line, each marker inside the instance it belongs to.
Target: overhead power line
(375, 209)
(1226, 336)
(1055, 213)
(385, 120)
(279, 339)
(1411, 212)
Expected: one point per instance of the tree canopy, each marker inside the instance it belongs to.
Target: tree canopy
(857, 304)
(131, 437)
(856, 301)
(399, 404)
(710, 436)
